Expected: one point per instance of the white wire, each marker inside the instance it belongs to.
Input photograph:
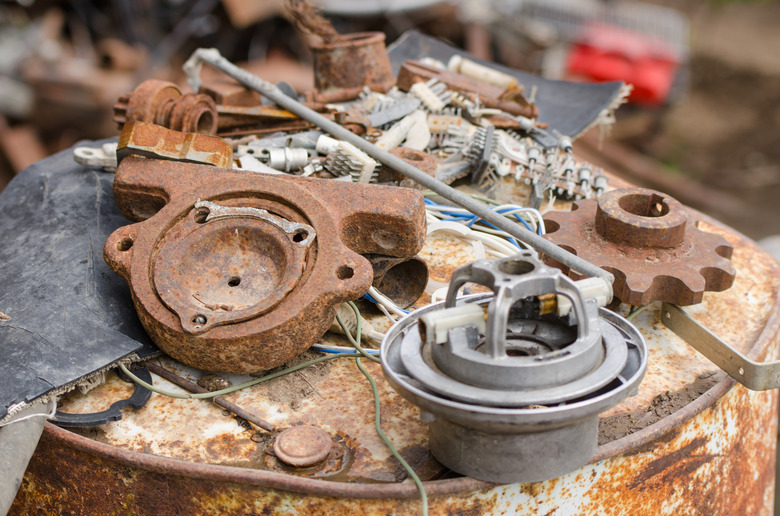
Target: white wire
(48, 415)
(386, 302)
(530, 215)
(498, 246)
(341, 348)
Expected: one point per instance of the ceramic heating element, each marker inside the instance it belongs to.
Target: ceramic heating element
(512, 382)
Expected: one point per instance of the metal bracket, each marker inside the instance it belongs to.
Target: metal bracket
(303, 234)
(103, 157)
(756, 376)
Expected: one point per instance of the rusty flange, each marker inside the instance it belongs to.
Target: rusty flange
(649, 242)
(237, 272)
(163, 103)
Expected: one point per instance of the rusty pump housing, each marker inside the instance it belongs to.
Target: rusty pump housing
(238, 272)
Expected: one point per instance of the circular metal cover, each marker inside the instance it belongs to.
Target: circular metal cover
(225, 270)
(403, 361)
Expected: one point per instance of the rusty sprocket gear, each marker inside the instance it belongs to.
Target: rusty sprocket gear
(649, 242)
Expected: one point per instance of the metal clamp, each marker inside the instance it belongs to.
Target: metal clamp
(756, 376)
(303, 234)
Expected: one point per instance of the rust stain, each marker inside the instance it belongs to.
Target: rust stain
(155, 141)
(681, 462)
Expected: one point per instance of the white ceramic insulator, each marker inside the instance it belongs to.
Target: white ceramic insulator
(419, 135)
(393, 137)
(463, 66)
(440, 123)
(428, 97)
(367, 165)
(435, 326)
(287, 159)
(591, 288)
(325, 144)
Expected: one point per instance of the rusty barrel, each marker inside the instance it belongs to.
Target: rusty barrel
(691, 441)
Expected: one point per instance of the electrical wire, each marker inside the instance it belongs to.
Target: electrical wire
(378, 298)
(341, 349)
(355, 341)
(207, 395)
(47, 415)
(378, 407)
(636, 311)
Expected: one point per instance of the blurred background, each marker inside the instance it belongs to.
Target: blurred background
(702, 123)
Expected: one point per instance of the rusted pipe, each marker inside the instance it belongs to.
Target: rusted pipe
(219, 400)
(215, 59)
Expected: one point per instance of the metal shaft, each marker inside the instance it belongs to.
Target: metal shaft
(215, 59)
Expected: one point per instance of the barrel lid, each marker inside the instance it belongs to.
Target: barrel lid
(335, 397)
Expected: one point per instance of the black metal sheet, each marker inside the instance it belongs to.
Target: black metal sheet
(70, 315)
(568, 107)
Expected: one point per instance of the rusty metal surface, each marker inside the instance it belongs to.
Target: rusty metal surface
(201, 433)
(510, 101)
(420, 159)
(163, 103)
(344, 66)
(402, 280)
(681, 445)
(649, 242)
(210, 383)
(194, 286)
(720, 462)
(154, 141)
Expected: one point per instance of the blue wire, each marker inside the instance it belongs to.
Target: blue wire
(369, 297)
(473, 219)
(339, 351)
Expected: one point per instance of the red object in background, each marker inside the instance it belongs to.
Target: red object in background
(608, 53)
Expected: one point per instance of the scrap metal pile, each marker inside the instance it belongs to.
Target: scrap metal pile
(258, 214)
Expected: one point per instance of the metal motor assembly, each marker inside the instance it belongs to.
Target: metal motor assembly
(512, 382)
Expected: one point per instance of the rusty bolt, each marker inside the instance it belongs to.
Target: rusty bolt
(302, 446)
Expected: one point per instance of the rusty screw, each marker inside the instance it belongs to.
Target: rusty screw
(302, 446)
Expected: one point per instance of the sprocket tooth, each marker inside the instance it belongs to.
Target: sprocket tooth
(719, 277)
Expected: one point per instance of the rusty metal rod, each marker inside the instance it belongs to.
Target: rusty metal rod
(215, 59)
(219, 400)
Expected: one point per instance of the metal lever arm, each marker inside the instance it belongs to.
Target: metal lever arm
(756, 376)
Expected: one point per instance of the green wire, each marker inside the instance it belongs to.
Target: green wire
(356, 343)
(377, 407)
(386, 440)
(250, 383)
(637, 311)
